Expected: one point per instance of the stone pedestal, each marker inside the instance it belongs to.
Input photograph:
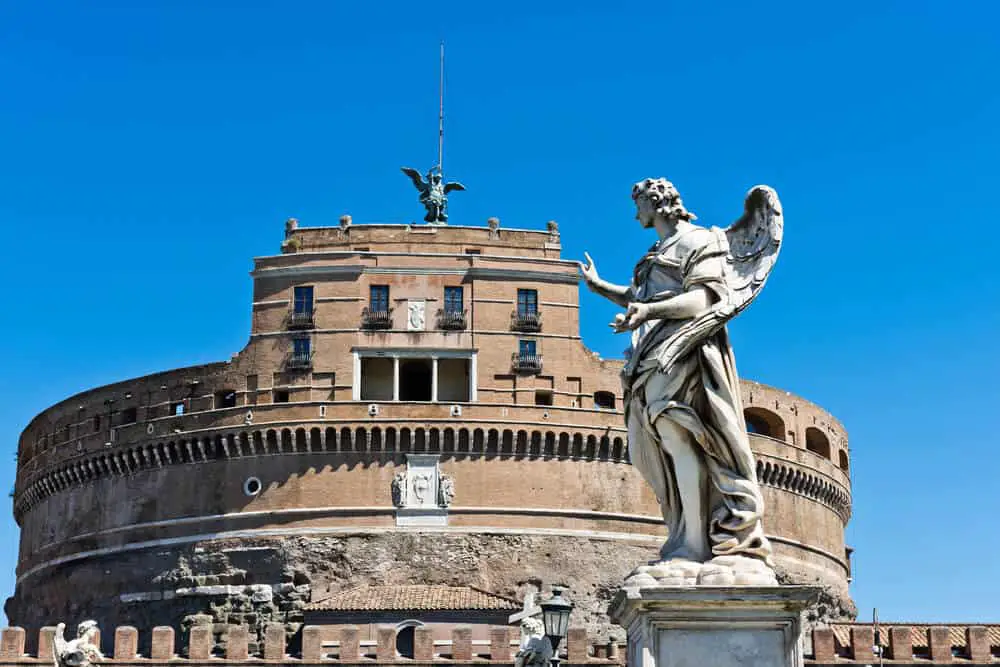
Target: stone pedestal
(722, 626)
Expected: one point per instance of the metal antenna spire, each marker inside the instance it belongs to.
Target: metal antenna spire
(441, 113)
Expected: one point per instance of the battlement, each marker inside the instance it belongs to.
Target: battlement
(491, 239)
(316, 644)
(840, 644)
(908, 644)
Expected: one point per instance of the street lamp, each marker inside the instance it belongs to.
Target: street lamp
(555, 618)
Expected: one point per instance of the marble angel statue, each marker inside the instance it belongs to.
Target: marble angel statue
(80, 652)
(683, 411)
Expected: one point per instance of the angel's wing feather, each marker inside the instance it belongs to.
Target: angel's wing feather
(754, 242)
(453, 185)
(418, 180)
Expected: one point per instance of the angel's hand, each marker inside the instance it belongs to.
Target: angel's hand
(588, 270)
(636, 314)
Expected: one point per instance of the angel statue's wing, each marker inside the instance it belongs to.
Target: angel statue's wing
(751, 246)
(453, 185)
(418, 180)
(754, 242)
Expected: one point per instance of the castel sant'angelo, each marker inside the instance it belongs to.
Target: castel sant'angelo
(415, 416)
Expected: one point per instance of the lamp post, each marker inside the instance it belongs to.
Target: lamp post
(555, 618)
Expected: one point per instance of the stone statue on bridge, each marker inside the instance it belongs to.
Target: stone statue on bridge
(683, 411)
(80, 652)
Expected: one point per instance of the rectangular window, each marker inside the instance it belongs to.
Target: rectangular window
(527, 302)
(97, 423)
(177, 408)
(280, 395)
(225, 399)
(453, 300)
(129, 416)
(526, 348)
(543, 397)
(304, 300)
(379, 298)
(300, 348)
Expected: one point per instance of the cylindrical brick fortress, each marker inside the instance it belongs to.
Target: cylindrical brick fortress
(245, 489)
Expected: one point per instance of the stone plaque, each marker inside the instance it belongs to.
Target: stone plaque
(415, 311)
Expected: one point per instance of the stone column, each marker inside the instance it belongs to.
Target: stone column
(434, 379)
(200, 642)
(500, 643)
(12, 643)
(350, 648)
(423, 644)
(461, 644)
(473, 380)
(126, 643)
(46, 641)
(163, 643)
(237, 643)
(385, 648)
(722, 626)
(395, 378)
(900, 643)
(274, 641)
(312, 643)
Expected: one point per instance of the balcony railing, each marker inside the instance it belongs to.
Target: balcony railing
(526, 363)
(451, 320)
(300, 320)
(526, 321)
(376, 319)
(299, 362)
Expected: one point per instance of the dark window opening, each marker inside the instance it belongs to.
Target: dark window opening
(303, 300)
(526, 348)
(453, 300)
(543, 397)
(177, 408)
(817, 442)
(97, 423)
(225, 399)
(280, 395)
(764, 422)
(415, 380)
(604, 400)
(129, 416)
(844, 465)
(527, 302)
(378, 298)
(300, 348)
(756, 424)
(473, 251)
(404, 642)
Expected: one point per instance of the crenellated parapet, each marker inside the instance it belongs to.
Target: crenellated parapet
(235, 644)
(905, 644)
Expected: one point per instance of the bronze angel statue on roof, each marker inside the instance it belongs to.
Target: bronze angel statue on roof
(683, 410)
(433, 193)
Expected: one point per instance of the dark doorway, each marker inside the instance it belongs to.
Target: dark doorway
(404, 642)
(415, 380)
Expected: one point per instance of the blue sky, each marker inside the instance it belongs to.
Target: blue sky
(149, 150)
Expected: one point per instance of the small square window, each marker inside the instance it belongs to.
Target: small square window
(129, 416)
(300, 348)
(280, 395)
(225, 399)
(543, 397)
(177, 408)
(604, 400)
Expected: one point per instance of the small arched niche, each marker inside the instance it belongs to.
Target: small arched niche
(764, 422)
(844, 463)
(817, 442)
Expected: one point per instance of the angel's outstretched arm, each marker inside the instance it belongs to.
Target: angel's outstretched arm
(619, 294)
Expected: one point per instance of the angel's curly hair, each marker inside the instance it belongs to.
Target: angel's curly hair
(664, 197)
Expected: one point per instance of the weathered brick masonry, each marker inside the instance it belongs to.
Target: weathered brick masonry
(243, 490)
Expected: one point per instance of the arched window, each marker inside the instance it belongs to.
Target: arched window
(764, 422)
(844, 465)
(817, 442)
(604, 400)
(404, 638)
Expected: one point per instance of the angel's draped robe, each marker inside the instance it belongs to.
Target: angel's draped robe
(700, 393)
